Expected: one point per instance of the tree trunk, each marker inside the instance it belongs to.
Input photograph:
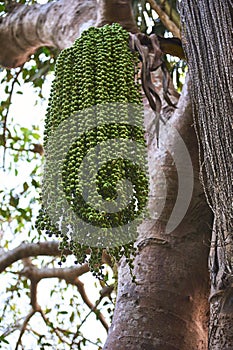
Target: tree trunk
(120, 11)
(168, 306)
(208, 40)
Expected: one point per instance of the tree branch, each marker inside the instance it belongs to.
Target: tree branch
(70, 275)
(55, 329)
(26, 250)
(55, 24)
(35, 306)
(172, 23)
(9, 101)
(92, 307)
(24, 326)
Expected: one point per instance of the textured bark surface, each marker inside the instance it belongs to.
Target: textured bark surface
(168, 307)
(221, 322)
(56, 24)
(110, 11)
(208, 40)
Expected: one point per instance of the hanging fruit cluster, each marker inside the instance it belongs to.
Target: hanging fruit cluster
(95, 100)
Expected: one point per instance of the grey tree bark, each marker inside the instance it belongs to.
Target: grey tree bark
(168, 306)
(55, 24)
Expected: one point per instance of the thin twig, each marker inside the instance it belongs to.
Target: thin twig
(92, 307)
(55, 329)
(7, 112)
(37, 149)
(24, 326)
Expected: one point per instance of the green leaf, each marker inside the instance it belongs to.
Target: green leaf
(1, 140)
(47, 311)
(25, 187)
(36, 136)
(14, 201)
(2, 339)
(72, 317)
(2, 8)
(35, 183)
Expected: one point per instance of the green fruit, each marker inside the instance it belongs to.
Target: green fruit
(98, 68)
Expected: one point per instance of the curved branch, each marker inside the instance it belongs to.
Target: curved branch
(26, 250)
(172, 23)
(55, 24)
(70, 275)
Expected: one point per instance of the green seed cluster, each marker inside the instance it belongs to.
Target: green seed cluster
(98, 70)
